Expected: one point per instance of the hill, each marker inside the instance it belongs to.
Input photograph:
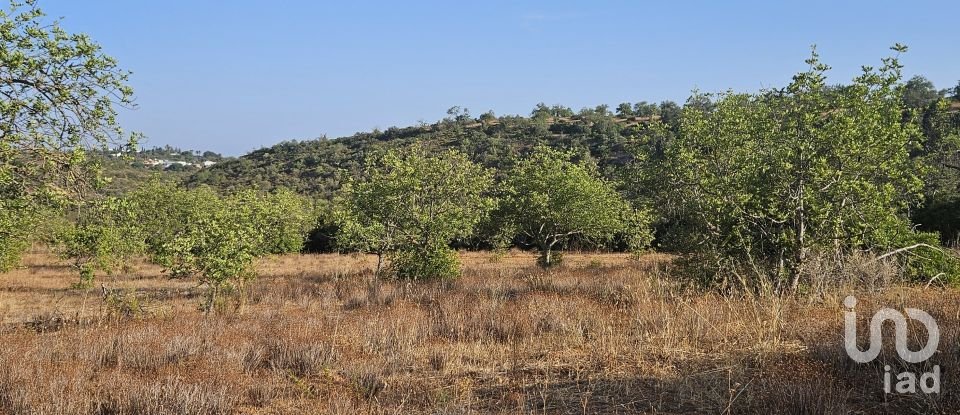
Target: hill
(318, 167)
(127, 171)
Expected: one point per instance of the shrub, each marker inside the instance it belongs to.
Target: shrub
(421, 263)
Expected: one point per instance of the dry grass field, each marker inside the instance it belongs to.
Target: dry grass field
(604, 333)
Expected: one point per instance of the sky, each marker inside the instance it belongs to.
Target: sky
(235, 76)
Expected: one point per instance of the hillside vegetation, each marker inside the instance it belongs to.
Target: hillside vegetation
(319, 167)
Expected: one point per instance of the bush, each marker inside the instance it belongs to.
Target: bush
(424, 263)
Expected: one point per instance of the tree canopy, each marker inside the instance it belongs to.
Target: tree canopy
(411, 205)
(59, 92)
(766, 181)
(549, 199)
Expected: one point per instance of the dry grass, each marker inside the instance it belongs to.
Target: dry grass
(603, 334)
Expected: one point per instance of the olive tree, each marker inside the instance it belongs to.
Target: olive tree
(57, 96)
(409, 205)
(549, 199)
(759, 183)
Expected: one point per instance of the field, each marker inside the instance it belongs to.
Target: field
(604, 333)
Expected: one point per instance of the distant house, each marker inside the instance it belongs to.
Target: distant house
(208, 163)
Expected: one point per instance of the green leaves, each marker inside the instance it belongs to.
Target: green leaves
(103, 237)
(550, 199)
(408, 200)
(216, 239)
(764, 181)
(58, 93)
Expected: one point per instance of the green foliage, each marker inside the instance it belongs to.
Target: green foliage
(758, 182)
(941, 151)
(550, 199)
(17, 219)
(103, 237)
(282, 218)
(926, 260)
(425, 262)
(318, 168)
(59, 91)
(919, 93)
(216, 239)
(409, 202)
(219, 243)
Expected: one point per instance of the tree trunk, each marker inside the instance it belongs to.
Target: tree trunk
(211, 298)
(376, 274)
(546, 254)
(800, 254)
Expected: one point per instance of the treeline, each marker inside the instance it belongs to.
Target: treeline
(618, 141)
(408, 207)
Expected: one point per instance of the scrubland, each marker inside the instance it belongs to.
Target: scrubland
(603, 333)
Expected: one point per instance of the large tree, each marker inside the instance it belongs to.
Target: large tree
(58, 95)
(409, 206)
(762, 182)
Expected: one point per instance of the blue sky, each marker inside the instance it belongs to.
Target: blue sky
(234, 76)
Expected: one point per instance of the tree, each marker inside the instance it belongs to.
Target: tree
(487, 118)
(103, 237)
(282, 217)
(670, 114)
(219, 245)
(200, 234)
(645, 109)
(409, 206)
(58, 95)
(764, 182)
(550, 199)
(941, 152)
(625, 110)
(458, 115)
(919, 93)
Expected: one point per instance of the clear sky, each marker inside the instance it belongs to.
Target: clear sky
(234, 76)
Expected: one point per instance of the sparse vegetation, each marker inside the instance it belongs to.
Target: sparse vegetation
(605, 333)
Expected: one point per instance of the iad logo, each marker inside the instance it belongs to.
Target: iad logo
(906, 381)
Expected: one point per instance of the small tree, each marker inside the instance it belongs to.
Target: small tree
(919, 93)
(103, 237)
(197, 233)
(283, 218)
(220, 245)
(550, 199)
(409, 206)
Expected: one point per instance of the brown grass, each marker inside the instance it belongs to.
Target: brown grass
(603, 334)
